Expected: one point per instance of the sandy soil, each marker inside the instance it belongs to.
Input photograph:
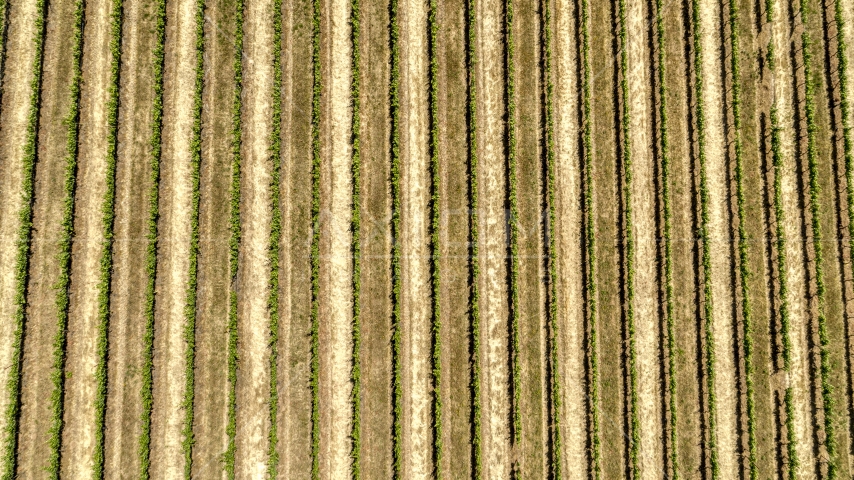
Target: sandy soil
(336, 322)
(253, 384)
(41, 321)
(416, 269)
(127, 304)
(79, 430)
(648, 353)
(568, 229)
(167, 459)
(720, 238)
(13, 125)
(493, 242)
(799, 377)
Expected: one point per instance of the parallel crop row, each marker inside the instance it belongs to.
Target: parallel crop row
(356, 228)
(315, 240)
(668, 243)
(394, 98)
(625, 125)
(275, 241)
(818, 259)
(147, 367)
(474, 278)
(844, 107)
(512, 167)
(782, 261)
(435, 188)
(108, 215)
(191, 301)
(743, 265)
(590, 248)
(4, 31)
(22, 245)
(708, 311)
(556, 459)
(234, 241)
(72, 122)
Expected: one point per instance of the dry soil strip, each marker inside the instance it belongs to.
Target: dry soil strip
(568, 228)
(210, 408)
(719, 237)
(336, 331)
(37, 406)
(167, 459)
(799, 376)
(646, 291)
(81, 383)
(416, 305)
(127, 307)
(253, 316)
(17, 79)
(494, 318)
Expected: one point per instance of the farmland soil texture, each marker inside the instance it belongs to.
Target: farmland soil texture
(327, 239)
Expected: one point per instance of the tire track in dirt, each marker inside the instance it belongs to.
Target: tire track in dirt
(493, 248)
(167, 459)
(127, 302)
(254, 273)
(648, 354)
(37, 384)
(416, 310)
(336, 261)
(211, 408)
(570, 269)
(17, 79)
(799, 311)
(720, 241)
(81, 358)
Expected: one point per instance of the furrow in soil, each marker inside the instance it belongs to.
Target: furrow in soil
(81, 383)
(336, 304)
(721, 241)
(17, 79)
(415, 188)
(254, 271)
(167, 459)
(650, 393)
(295, 302)
(571, 348)
(493, 241)
(211, 409)
(127, 302)
(41, 315)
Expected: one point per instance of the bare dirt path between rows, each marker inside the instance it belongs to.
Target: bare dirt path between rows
(211, 402)
(416, 289)
(13, 126)
(253, 384)
(295, 302)
(127, 303)
(41, 318)
(336, 346)
(571, 346)
(167, 459)
(720, 239)
(81, 384)
(648, 354)
(493, 241)
(799, 311)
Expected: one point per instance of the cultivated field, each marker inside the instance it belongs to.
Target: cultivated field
(305, 239)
